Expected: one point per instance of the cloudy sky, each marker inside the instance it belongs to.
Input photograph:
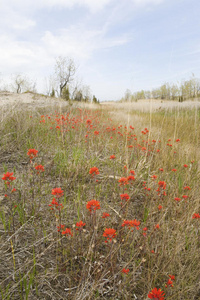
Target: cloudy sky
(116, 44)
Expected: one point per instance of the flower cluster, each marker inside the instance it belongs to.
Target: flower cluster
(80, 225)
(110, 234)
(156, 294)
(8, 178)
(39, 169)
(131, 223)
(32, 153)
(93, 205)
(94, 171)
(55, 204)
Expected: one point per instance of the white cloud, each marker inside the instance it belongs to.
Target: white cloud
(93, 5)
(23, 24)
(145, 2)
(79, 42)
(76, 42)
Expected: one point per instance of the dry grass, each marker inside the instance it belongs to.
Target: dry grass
(38, 262)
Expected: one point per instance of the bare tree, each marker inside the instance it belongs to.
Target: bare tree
(64, 70)
(50, 86)
(20, 83)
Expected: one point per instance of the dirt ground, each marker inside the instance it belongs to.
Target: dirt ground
(8, 99)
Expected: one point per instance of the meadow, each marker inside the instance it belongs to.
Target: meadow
(100, 202)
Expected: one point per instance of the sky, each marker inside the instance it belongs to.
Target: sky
(115, 44)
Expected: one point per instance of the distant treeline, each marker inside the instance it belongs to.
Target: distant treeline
(187, 89)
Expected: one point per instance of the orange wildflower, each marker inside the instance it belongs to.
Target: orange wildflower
(109, 233)
(125, 271)
(32, 153)
(131, 223)
(55, 204)
(68, 232)
(39, 168)
(187, 188)
(8, 177)
(125, 197)
(156, 294)
(130, 178)
(105, 215)
(196, 216)
(93, 205)
(169, 283)
(177, 199)
(80, 225)
(57, 192)
(123, 181)
(94, 171)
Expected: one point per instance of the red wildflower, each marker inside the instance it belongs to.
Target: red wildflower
(94, 171)
(105, 215)
(80, 225)
(172, 277)
(55, 204)
(154, 176)
(32, 153)
(131, 223)
(132, 172)
(123, 181)
(109, 233)
(160, 207)
(162, 184)
(125, 271)
(144, 231)
(93, 205)
(187, 188)
(88, 122)
(184, 196)
(13, 190)
(39, 168)
(161, 170)
(125, 197)
(157, 226)
(178, 140)
(57, 192)
(130, 178)
(68, 232)
(185, 166)
(96, 132)
(177, 199)
(112, 157)
(174, 170)
(196, 216)
(156, 294)
(8, 177)
(60, 227)
(169, 283)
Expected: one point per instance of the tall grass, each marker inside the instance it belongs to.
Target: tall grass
(40, 261)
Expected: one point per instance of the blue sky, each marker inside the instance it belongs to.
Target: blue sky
(116, 44)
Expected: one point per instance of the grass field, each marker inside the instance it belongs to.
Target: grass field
(130, 175)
